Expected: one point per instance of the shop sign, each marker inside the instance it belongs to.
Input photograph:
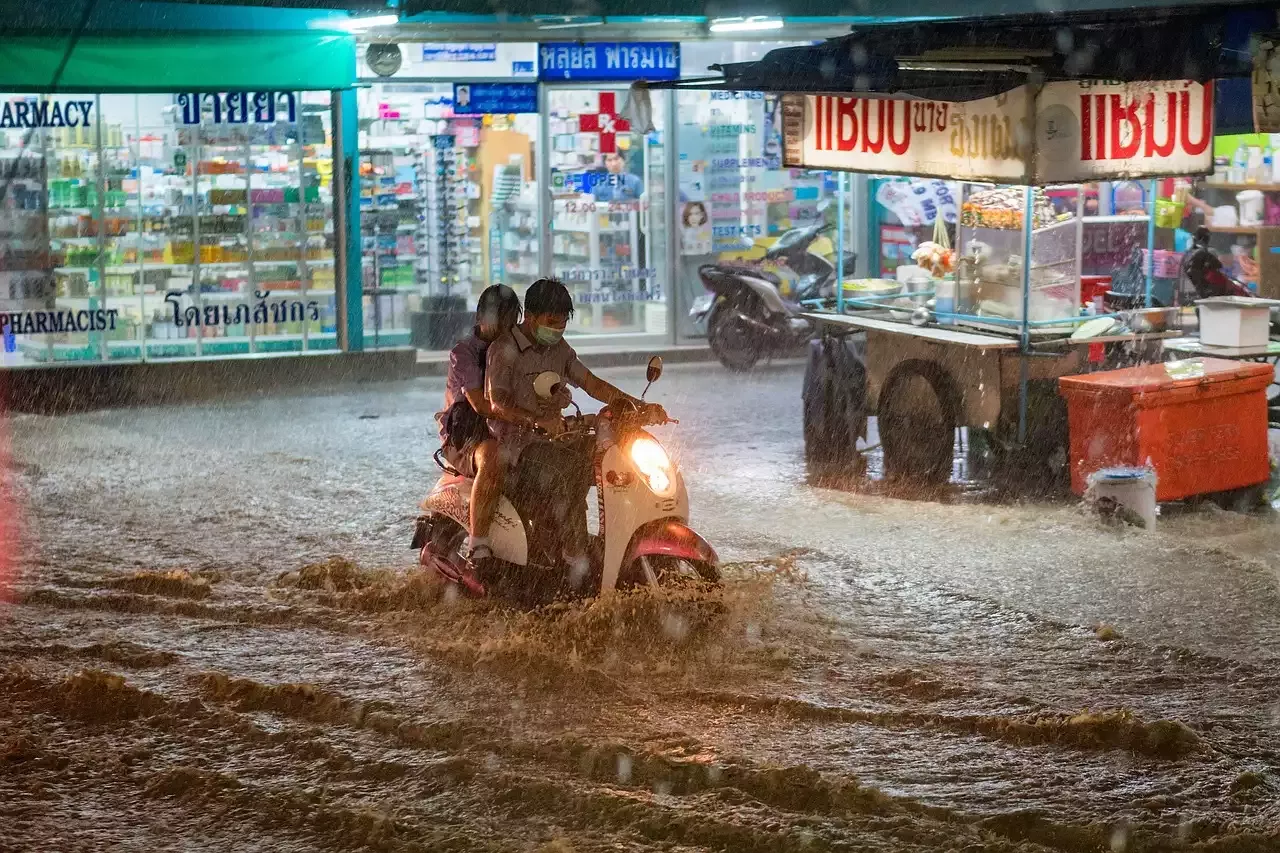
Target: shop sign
(57, 322)
(33, 113)
(605, 61)
(1069, 132)
(494, 98)
(236, 107)
(460, 53)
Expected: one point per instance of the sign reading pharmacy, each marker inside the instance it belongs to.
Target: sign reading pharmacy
(606, 61)
(32, 113)
(1067, 132)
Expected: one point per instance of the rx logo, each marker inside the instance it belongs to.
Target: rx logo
(605, 122)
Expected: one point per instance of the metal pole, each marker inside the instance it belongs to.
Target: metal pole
(671, 182)
(546, 209)
(1151, 243)
(841, 186)
(347, 276)
(1028, 226)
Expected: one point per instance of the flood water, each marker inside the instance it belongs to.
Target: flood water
(215, 641)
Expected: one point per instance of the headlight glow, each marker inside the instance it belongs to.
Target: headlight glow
(652, 462)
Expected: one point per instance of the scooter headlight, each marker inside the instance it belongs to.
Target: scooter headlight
(652, 461)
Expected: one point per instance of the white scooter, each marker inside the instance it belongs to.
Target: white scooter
(644, 536)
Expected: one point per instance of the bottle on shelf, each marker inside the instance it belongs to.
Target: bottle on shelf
(1239, 165)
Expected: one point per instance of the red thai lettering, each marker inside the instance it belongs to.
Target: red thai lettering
(1100, 151)
(875, 146)
(1121, 114)
(1086, 127)
(900, 146)
(1206, 120)
(1154, 148)
(846, 123)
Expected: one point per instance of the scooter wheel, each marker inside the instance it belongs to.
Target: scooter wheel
(736, 344)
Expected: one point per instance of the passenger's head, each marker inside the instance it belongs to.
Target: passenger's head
(496, 312)
(547, 309)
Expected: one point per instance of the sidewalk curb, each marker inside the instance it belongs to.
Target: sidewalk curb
(437, 364)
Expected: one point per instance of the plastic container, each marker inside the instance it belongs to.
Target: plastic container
(1167, 264)
(944, 301)
(1132, 488)
(1201, 424)
(1093, 285)
(1250, 202)
(1234, 321)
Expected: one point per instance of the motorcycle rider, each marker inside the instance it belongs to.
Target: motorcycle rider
(465, 440)
(535, 346)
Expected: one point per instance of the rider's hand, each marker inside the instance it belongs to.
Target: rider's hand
(552, 425)
(562, 398)
(654, 412)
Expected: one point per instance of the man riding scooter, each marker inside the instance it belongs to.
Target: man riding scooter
(515, 360)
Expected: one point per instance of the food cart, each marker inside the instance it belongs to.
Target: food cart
(982, 344)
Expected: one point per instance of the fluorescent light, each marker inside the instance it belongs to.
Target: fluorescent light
(367, 22)
(758, 23)
(568, 23)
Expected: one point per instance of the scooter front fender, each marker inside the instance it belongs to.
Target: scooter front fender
(669, 537)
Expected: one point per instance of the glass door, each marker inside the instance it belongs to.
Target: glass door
(608, 214)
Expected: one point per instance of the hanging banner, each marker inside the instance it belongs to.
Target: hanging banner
(494, 98)
(609, 61)
(1086, 131)
(1070, 132)
(459, 52)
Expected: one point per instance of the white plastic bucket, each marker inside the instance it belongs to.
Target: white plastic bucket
(1132, 488)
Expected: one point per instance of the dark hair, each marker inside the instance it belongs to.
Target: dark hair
(500, 300)
(548, 296)
(689, 208)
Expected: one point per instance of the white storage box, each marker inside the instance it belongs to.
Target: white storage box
(1235, 321)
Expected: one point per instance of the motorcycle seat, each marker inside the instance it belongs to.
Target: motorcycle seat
(753, 271)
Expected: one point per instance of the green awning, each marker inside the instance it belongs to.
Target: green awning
(180, 62)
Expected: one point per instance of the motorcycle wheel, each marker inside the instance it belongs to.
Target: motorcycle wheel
(735, 343)
(670, 572)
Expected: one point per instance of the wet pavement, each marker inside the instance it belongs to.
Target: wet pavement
(216, 642)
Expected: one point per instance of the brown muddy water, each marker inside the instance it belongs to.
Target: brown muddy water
(216, 641)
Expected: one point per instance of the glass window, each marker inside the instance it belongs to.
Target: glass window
(608, 211)
(735, 197)
(449, 205)
(162, 226)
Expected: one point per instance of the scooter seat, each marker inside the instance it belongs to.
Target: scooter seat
(753, 271)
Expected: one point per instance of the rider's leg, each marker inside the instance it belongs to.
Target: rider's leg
(578, 484)
(485, 491)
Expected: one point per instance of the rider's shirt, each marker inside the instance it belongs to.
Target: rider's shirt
(514, 362)
(466, 373)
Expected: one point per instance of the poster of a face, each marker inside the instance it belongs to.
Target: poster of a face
(695, 229)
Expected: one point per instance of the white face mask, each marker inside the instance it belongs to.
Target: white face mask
(546, 336)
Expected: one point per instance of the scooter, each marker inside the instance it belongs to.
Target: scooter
(644, 535)
(745, 314)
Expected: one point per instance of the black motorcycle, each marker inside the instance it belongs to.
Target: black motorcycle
(744, 312)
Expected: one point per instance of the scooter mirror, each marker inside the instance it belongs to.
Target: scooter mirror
(544, 384)
(654, 371)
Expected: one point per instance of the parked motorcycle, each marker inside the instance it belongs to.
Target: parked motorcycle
(644, 537)
(745, 314)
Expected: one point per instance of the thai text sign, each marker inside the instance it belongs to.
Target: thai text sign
(1069, 132)
(609, 61)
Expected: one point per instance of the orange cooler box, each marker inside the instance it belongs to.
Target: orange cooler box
(1201, 422)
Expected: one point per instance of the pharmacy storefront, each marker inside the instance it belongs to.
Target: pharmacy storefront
(143, 225)
(502, 162)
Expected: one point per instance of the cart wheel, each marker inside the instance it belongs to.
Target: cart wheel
(834, 398)
(918, 410)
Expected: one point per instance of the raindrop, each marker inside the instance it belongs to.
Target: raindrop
(1120, 838)
(674, 626)
(663, 788)
(858, 55)
(624, 769)
(713, 774)
(492, 763)
(1065, 40)
(1184, 830)
(753, 632)
(861, 83)
(451, 594)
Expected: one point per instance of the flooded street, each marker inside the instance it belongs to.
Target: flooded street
(216, 642)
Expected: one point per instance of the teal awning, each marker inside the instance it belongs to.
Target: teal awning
(180, 62)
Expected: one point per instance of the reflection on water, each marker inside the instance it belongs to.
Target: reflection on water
(226, 651)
